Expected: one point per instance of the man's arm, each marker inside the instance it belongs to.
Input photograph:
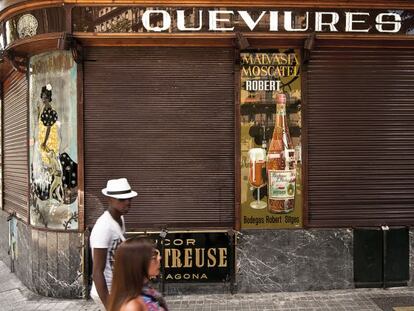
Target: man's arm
(99, 263)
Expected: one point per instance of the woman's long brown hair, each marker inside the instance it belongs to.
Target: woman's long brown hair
(132, 260)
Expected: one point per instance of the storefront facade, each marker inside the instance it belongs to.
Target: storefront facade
(273, 142)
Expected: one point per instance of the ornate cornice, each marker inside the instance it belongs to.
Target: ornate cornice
(12, 7)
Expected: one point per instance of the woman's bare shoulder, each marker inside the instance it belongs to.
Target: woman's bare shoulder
(136, 304)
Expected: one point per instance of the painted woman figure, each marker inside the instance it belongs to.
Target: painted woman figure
(48, 141)
(48, 128)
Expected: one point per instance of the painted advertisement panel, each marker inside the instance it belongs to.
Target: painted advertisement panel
(53, 141)
(271, 156)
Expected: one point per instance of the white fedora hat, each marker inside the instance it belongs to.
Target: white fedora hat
(119, 189)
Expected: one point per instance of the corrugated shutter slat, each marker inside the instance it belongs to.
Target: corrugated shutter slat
(163, 118)
(15, 156)
(360, 115)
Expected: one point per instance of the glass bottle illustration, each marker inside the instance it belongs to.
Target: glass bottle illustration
(281, 167)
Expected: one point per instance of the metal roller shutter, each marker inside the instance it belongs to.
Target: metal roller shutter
(15, 148)
(360, 121)
(163, 118)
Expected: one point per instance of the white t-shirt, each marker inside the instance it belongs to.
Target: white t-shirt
(107, 234)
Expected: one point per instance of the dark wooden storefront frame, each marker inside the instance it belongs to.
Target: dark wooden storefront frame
(47, 42)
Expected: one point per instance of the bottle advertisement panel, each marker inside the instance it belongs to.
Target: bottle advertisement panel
(271, 152)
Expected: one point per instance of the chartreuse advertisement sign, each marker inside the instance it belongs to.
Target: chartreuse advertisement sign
(195, 256)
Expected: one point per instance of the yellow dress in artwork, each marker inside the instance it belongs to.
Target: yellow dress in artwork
(52, 143)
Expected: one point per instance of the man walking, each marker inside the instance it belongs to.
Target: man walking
(106, 235)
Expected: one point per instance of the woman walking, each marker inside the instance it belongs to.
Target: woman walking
(136, 262)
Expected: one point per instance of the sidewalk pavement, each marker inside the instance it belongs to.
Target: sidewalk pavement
(14, 296)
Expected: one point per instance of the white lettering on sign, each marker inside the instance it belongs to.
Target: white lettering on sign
(319, 23)
(381, 23)
(159, 20)
(352, 18)
(262, 85)
(249, 20)
(181, 21)
(288, 22)
(166, 20)
(213, 19)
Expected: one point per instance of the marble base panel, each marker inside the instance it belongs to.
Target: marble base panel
(24, 264)
(4, 238)
(294, 260)
(48, 263)
(290, 260)
(59, 272)
(285, 260)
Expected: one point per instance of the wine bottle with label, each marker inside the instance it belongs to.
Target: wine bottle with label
(281, 167)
